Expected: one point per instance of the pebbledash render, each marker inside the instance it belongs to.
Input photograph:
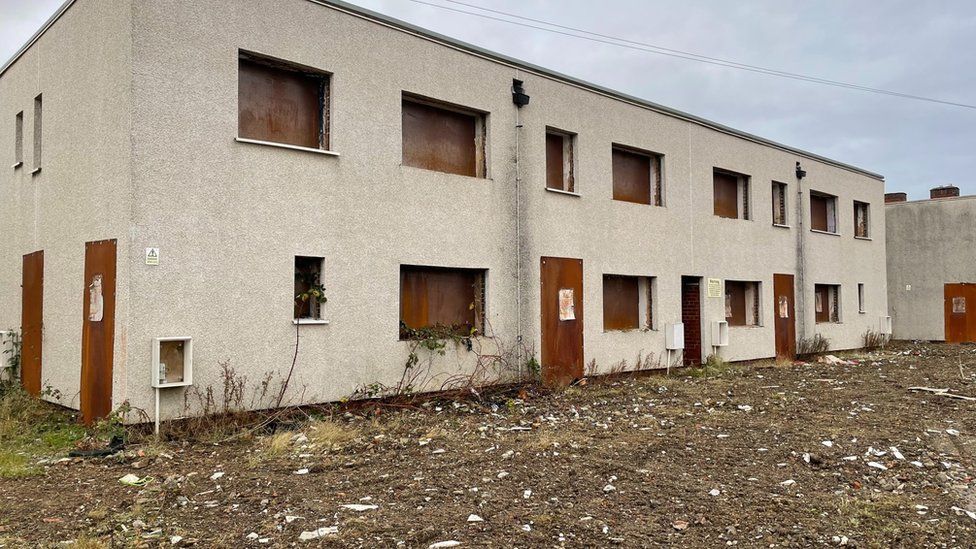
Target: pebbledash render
(181, 171)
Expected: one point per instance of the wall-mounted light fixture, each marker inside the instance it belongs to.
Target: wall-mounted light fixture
(519, 97)
(800, 172)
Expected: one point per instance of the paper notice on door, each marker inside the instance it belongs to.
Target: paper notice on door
(959, 305)
(95, 302)
(784, 307)
(567, 305)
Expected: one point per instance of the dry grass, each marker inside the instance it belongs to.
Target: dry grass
(328, 432)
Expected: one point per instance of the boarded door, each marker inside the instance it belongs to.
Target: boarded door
(691, 317)
(960, 313)
(562, 320)
(98, 330)
(784, 314)
(31, 322)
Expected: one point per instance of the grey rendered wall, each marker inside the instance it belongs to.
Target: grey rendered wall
(81, 66)
(229, 217)
(930, 243)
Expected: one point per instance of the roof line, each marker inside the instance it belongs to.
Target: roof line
(460, 45)
(421, 32)
(47, 24)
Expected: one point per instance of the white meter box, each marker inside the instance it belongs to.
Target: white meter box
(172, 362)
(720, 333)
(886, 325)
(674, 336)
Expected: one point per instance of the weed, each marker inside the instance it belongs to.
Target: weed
(874, 340)
(30, 428)
(812, 345)
(714, 366)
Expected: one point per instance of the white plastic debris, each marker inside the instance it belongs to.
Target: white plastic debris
(789, 482)
(475, 518)
(877, 465)
(918, 464)
(508, 454)
(502, 475)
(961, 511)
(252, 536)
(216, 475)
(952, 432)
(320, 533)
(301, 472)
(609, 488)
(827, 443)
(714, 492)
(526, 494)
(439, 451)
(175, 540)
(896, 453)
(291, 518)
(744, 407)
(444, 544)
(359, 507)
(849, 458)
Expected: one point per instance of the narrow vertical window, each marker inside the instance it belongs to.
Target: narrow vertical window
(37, 133)
(730, 194)
(560, 168)
(860, 297)
(779, 203)
(637, 176)
(309, 293)
(19, 140)
(861, 220)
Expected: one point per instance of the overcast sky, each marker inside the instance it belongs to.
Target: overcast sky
(920, 48)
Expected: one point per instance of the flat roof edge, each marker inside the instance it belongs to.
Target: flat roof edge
(47, 24)
(945, 200)
(542, 71)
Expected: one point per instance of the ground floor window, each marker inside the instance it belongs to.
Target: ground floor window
(444, 299)
(826, 302)
(309, 293)
(742, 303)
(628, 302)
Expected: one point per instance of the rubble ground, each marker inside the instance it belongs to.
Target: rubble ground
(839, 452)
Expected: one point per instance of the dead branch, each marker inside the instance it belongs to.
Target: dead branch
(942, 392)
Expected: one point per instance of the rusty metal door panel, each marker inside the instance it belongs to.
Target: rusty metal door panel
(726, 195)
(621, 303)
(562, 320)
(691, 318)
(554, 162)
(32, 322)
(960, 315)
(439, 139)
(783, 313)
(631, 177)
(279, 105)
(98, 330)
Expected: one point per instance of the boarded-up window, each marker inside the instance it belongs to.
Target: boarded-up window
(448, 300)
(637, 176)
(826, 302)
(861, 220)
(823, 212)
(628, 302)
(779, 203)
(860, 297)
(742, 303)
(308, 281)
(730, 192)
(560, 170)
(282, 103)
(38, 131)
(443, 138)
(19, 140)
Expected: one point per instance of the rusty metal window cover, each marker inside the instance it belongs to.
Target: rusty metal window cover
(730, 194)
(282, 102)
(823, 212)
(637, 176)
(861, 220)
(560, 161)
(628, 302)
(442, 137)
(444, 299)
(826, 299)
(742, 303)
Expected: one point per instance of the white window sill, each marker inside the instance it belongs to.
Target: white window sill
(310, 321)
(560, 191)
(824, 232)
(17, 165)
(868, 238)
(746, 326)
(35, 171)
(285, 146)
(781, 226)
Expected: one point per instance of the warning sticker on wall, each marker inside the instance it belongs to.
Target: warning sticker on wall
(152, 256)
(784, 307)
(714, 287)
(567, 305)
(959, 305)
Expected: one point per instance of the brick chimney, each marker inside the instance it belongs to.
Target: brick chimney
(945, 191)
(895, 197)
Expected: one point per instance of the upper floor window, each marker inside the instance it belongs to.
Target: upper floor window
(280, 102)
(560, 165)
(861, 220)
(779, 204)
(637, 176)
(730, 194)
(38, 119)
(443, 138)
(823, 212)
(19, 140)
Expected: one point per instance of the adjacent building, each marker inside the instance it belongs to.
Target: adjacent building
(180, 171)
(932, 266)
